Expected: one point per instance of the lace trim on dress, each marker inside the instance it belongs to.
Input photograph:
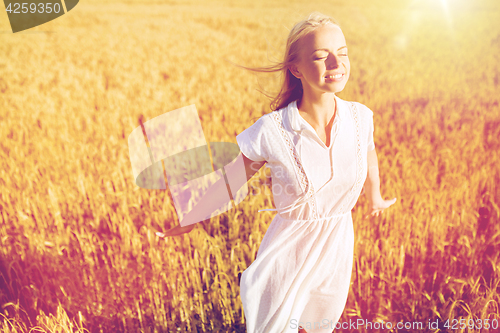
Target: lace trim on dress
(305, 184)
(304, 181)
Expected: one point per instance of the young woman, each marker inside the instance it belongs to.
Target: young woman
(321, 152)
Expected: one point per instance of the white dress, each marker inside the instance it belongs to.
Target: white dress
(302, 272)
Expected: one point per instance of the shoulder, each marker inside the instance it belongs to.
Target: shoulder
(263, 124)
(363, 111)
(262, 128)
(271, 119)
(259, 142)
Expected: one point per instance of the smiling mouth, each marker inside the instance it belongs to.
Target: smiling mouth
(334, 77)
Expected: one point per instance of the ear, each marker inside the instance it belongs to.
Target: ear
(295, 72)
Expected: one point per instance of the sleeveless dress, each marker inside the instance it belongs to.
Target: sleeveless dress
(302, 271)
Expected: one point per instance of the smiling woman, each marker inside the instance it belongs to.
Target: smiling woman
(322, 148)
(300, 278)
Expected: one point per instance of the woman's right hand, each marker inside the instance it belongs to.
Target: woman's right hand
(176, 231)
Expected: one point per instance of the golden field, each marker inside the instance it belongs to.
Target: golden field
(78, 247)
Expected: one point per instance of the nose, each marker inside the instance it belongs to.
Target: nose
(332, 61)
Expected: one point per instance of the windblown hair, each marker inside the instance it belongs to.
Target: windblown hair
(291, 87)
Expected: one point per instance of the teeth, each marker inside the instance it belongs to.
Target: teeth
(338, 76)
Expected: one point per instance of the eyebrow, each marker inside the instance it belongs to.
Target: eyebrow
(340, 48)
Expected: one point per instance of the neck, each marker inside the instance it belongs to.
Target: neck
(319, 109)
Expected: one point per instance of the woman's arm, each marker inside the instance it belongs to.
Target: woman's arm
(376, 204)
(211, 199)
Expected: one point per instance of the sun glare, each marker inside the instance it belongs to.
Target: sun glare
(417, 14)
(446, 12)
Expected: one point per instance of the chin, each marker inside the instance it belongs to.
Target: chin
(337, 89)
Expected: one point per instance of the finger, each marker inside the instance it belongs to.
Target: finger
(369, 214)
(160, 234)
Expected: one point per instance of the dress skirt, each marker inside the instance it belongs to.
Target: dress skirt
(300, 277)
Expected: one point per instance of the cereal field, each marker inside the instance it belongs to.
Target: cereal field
(78, 251)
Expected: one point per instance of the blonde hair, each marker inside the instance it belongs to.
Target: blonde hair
(291, 87)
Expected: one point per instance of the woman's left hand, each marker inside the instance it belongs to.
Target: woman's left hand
(379, 206)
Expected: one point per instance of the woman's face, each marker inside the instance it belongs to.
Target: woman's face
(323, 65)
